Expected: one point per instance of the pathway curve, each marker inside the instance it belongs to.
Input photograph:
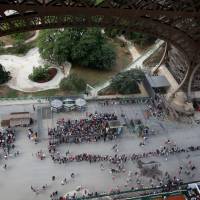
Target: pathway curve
(34, 37)
(21, 66)
(137, 63)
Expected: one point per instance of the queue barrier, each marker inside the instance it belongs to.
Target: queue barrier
(182, 190)
(122, 100)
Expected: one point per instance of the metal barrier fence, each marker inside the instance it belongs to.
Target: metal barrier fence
(22, 98)
(145, 193)
(122, 99)
(127, 100)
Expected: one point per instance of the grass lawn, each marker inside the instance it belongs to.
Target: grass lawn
(7, 92)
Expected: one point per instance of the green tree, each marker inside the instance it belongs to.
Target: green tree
(141, 39)
(127, 82)
(20, 36)
(46, 44)
(2, 47)
(19, 47)
(4, 75)
(86, 47)
(112, 32)
(93, 51)
(73, 83)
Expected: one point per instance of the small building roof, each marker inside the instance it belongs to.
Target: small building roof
(5, 123)
(157, 81)
(20, 115)
(115, 124)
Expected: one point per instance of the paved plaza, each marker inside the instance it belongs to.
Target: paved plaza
(27, 170)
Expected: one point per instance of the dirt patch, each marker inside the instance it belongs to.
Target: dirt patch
(150, 169)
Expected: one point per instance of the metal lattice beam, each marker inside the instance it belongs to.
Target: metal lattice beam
(177, 22)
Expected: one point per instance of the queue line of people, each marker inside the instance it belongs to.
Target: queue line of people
(164, 151)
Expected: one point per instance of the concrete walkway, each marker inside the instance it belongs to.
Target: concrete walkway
(26, 170)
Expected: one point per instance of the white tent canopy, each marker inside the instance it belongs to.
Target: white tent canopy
(80, 102)
(57, 104)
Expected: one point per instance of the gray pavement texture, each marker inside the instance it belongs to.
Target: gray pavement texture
(26, 170)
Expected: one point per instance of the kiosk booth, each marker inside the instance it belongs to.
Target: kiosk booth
(20, 119)
(69, 104)
(17, 119)
(115, 127)
(56, 105)
(80, 104)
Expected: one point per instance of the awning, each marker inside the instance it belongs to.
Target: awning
(80, 102)
(20, 115)
(19, 122)
(115, 124)
(69, 101)
(57, 104)
(157, 81)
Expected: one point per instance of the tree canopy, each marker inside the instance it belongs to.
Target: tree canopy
(127, 82)
(139, 38)
(85, 47)
(40, 73)
(4, 75)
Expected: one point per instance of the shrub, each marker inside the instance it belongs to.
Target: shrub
(4, 75)
(40, 74)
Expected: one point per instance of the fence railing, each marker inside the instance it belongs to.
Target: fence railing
(148, 192)
(122, 99)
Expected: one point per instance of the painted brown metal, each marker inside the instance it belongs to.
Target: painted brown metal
(177, 22)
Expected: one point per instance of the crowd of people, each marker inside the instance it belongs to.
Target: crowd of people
(91, 129)
(7, 138)
(142, 100)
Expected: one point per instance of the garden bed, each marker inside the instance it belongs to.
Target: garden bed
(51, 74)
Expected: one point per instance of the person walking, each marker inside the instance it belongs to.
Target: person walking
(53, 178)
(33, 107)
